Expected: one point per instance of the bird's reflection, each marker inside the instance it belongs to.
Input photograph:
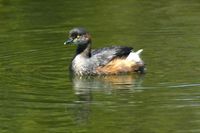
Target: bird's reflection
(85, 87)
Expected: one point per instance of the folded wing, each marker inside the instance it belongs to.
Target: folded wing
(104, 55)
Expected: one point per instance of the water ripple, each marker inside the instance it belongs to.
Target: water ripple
(184, 85)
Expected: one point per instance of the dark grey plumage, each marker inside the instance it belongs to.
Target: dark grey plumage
(104, 55)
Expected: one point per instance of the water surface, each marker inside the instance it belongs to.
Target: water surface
(37, 94)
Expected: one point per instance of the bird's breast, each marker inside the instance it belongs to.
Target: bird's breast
(79, 65)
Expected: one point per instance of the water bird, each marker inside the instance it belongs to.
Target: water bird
(103, 61)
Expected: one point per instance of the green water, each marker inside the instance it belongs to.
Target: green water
(37, 94)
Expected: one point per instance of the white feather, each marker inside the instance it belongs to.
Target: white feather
(135, 56)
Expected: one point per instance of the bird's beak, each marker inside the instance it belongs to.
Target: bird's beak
(70, 40)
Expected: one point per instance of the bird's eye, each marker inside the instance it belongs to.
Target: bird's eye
(74, 35)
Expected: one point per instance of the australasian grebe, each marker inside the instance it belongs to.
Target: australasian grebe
(108, 60)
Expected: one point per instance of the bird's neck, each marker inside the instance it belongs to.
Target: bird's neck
(84, 50)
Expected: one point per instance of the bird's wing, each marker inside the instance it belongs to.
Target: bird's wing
(104, 55)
